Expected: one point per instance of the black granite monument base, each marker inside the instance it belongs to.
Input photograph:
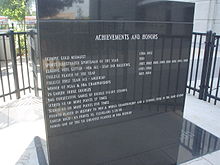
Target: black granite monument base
(114, 75)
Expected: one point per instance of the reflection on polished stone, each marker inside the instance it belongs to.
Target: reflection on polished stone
(196, 142)
(145, 10)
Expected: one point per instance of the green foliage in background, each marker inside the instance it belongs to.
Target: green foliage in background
(14, 9)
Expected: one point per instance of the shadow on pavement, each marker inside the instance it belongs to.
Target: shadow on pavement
(35, 153)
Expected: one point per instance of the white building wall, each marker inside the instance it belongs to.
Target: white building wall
(207, 15)
(217, 18)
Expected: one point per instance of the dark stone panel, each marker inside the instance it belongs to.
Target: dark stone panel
(141, 10)
(138, 139)
(152, 125)
(83, 131)
(78, 38)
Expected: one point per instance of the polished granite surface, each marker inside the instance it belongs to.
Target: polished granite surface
(114, 75)
(130, 10)
(152, 103)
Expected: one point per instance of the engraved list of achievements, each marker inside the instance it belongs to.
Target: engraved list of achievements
(113, 81)
(72, 98)
(80, 89)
